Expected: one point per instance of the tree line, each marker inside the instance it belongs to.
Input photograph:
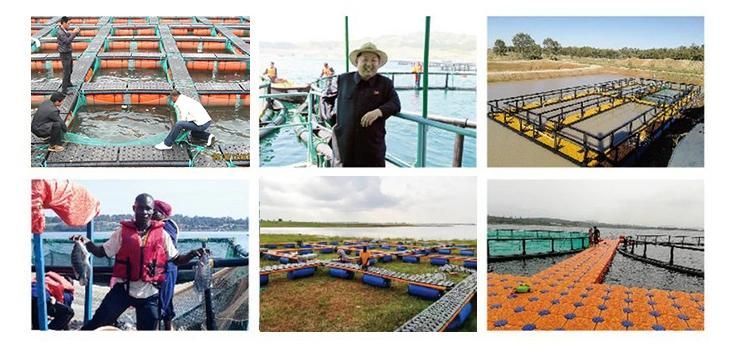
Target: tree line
(524, 45)
(185, 222)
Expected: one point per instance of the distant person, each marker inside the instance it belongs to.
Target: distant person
(271, 73)
(64, 47)
(364, 101)
(591, 236)
(191, 116)
(141, 249)
(342, 255)
(327, 71)
(163, 212)
(47, 122)
(364, 258)
(417, 71)
(59, 294)
(597, 235)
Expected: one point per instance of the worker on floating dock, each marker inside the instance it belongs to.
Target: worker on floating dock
(597, 235)
(191, 116)
(162, 212)
(364, 101)
(48, 123)
(60, 293)
(342, 254)
(327, 71)
(141, 249)
(64, 41)
(364, 258)
(271, 73)
(417, 71)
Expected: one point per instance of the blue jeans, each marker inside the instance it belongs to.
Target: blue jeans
(195, 131)
(117, 301)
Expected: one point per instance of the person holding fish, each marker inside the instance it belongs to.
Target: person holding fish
(141, 248)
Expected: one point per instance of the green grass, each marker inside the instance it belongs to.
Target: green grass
(324, 304)
(271, 223)
(313, 238)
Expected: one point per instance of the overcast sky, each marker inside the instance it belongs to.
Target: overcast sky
(370, 199)
(331, 28)
(188, 197)
(649, 203)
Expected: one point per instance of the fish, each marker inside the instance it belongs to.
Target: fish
(79, 260)
(202, 268)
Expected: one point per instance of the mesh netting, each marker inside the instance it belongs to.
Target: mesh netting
(513, 242)
(229, 299)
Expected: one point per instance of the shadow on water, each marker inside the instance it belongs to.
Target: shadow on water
(660, 151)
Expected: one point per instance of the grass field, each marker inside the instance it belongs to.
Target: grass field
(325, 304)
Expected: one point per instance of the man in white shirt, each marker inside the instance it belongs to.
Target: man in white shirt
(141, 249)
(191, 116)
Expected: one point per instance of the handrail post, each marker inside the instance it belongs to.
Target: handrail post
(311, 151)
(346, 43)
(41, 292)
(421, 128)
(89, 285)
(458, 150)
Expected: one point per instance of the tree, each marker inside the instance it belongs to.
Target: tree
(551, 47)
(499, 48)
(524, 44)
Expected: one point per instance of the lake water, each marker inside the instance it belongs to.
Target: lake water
(282, 147)
(623, 271)
(463, 232)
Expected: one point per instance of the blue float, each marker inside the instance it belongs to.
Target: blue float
(307, 246)
(376, 281)
(271, 257)
(423, 292)
(372, 261)
(470, 264)
(467, 252)
(289, 245)
(400, 248)
(437, 261)
(263, 280)
(444, 251)
(410, 259)
(270, 246)
(341, 273)
(334, 243)
(300, 273)
(283, 260)
(385, 247)
(386, 258)
(305, 251)
(326, 250)
(461, 318)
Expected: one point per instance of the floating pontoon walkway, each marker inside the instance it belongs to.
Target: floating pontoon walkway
(175, 46)
(571, 296)
(604, 124)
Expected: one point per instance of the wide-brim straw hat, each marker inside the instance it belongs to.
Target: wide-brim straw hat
(371, 48)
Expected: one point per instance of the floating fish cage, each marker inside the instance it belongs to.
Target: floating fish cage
(506, 244)
(120, 63)
(604, 124)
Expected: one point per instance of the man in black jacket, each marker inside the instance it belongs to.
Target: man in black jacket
(48, 123)
(365, 100)
(64, 41)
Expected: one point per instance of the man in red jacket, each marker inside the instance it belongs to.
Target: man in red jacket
(141, 249)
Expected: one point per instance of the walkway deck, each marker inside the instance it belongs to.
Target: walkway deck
(571, 296)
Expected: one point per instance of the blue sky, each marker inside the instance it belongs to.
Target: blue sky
(187, 197)
(601, 32)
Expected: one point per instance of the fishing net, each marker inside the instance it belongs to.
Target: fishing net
(229, 298)
(505, 243)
